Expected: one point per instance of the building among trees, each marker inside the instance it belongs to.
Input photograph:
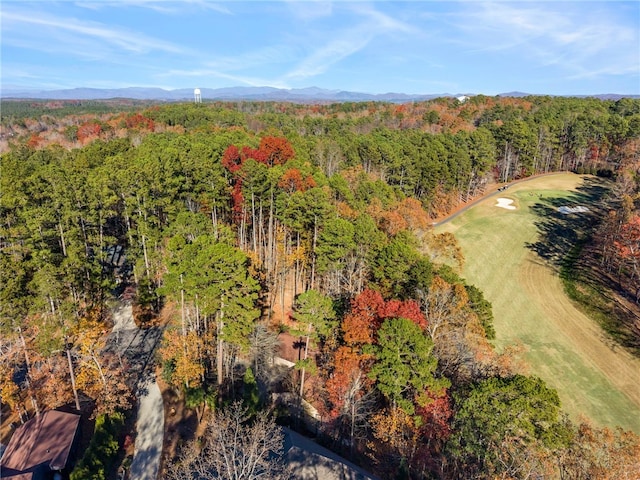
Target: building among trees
(41, 446)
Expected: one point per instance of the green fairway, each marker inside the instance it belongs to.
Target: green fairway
(513, 256)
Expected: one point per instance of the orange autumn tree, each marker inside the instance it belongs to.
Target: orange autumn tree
(443, 248)
(349, 385)
(139, 121)
(89, 131)
(346, 380)
(601, 453)
(459, 336)
(444, 305)
(350, 397)
(628, 249)
(397, 441)
(46, 379)
(293, 181)
(182, 355)
(412, 443)
(99, 375)
(10, 392)
(362, 321)
(406, 214)
(276, 150)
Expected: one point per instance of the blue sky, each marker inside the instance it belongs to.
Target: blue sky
(543, 47)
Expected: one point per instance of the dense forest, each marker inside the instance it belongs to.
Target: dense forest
(250, 224)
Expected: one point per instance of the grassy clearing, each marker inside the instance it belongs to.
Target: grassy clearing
(515, 257)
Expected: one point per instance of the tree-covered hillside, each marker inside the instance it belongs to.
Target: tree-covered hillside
(244, 220)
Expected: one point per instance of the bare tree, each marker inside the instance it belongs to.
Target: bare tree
(234, 448)
(263, 347)
(352, 423)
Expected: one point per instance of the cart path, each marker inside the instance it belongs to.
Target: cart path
(494, 191)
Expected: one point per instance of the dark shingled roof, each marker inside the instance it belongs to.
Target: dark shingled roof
(311, 461)
(45, 439)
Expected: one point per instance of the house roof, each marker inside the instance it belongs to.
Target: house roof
(45, 439)
(19, 476)
(311, 461)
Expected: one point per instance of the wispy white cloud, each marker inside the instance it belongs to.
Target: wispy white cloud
(39, 77)
(311, 9)
(607, 70)
(169, 7)
(377, 45)
(207, 73)
(382, 22)
(160, 7)
(121, 39)
(559, 34)
(232, 67)
(264, 56)
(18, 72)
(207, 5)
(308, 53)
(369, 24)
(329, 54)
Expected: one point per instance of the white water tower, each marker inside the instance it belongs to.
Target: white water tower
(197, 96)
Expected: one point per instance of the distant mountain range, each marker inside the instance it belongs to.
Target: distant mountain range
(299, 95)
(303, 95)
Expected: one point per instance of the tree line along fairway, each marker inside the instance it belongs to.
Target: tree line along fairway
(506, 258)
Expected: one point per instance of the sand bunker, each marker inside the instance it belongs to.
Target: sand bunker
(505, 203)
(568, 210)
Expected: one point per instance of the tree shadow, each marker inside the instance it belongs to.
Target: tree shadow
(145, 463)
(299, 346)
(559, 232)
(565, 244)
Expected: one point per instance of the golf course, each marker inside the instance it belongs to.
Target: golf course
(514, 242)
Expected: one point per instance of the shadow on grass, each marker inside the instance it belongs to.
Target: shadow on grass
(565, 244)
(561, 232)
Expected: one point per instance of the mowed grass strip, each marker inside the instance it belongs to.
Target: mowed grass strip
(594, 377)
